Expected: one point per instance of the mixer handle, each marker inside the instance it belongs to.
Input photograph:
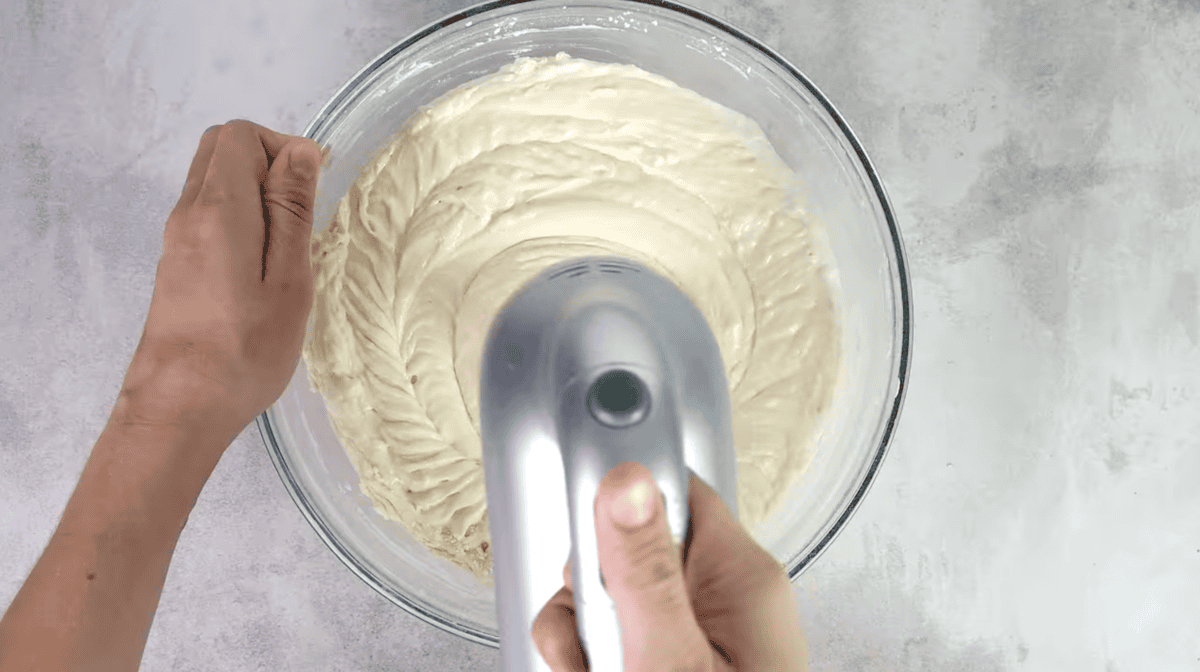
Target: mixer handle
(611, 363)
(622, 413)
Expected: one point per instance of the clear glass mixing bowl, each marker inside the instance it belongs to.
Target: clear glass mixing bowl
(837, 185)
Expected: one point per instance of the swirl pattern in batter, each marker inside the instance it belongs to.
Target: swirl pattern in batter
(546, 160)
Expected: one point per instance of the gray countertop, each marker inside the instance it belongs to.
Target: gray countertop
(1039, 508)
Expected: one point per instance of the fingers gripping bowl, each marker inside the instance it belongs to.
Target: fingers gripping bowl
(838, 188)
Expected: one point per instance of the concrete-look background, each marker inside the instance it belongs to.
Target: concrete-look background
(1040, 507)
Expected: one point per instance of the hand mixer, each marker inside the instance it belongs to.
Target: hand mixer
(596, 362)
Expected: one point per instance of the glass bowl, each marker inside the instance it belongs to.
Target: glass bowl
(837, 185)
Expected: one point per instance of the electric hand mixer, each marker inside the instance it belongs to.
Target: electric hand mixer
(601, 361)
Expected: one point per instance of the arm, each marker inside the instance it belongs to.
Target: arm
(90, 599)
(234, 278)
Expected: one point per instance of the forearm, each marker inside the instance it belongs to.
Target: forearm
(89, 601)
(221, 341)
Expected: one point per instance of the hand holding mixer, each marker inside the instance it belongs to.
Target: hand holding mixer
(603, 361)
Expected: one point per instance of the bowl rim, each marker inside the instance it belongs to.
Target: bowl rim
(902, 370)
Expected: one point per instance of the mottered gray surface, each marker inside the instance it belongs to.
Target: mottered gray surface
(1039, 507)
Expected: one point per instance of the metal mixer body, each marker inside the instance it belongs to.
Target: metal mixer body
(596, 362)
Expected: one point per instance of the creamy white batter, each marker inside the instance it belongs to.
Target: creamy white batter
(546, 160)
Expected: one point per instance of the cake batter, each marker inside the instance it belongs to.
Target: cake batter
(546, 160)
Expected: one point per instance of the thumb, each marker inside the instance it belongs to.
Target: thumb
(643, 574)
(289, 193)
